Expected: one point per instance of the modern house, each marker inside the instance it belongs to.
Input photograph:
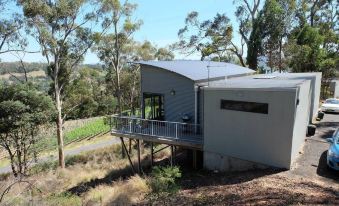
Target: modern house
(237, 118)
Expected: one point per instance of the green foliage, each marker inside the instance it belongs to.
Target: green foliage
(23, 112)
(210, 38)
(43, 167)
(63, 199)
(76, 159)
(89, 95)
(163, 179)
(255, 43)
(304, 49)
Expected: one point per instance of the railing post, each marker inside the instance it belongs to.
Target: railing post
(176, 131)
(152, 132)
(130, 126)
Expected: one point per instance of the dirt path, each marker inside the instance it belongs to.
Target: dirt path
(73, 151)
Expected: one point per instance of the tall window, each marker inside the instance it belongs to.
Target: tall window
(254, 107)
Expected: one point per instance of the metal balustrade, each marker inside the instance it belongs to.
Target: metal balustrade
(158, 129)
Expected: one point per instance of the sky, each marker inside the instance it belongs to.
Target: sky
(161, 21)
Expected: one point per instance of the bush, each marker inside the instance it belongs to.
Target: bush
(76, 159)
(63, 199)
(163, 179)
(43, 167)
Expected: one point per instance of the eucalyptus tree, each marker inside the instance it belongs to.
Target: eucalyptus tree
(164, 54)
(210, 38)
(114, 48)
(247, 13)
(10, 25)
(65, 30)
(277, 23)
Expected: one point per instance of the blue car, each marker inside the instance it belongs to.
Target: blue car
(333, 151)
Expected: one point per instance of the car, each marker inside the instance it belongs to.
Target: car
(333, 151)
(330, 105)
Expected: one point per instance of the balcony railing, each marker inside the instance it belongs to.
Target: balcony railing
(175, 131)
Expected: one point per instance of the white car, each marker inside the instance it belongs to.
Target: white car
(330, 105)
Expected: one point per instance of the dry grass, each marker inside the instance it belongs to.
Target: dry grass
(91, 178)
(120, 192)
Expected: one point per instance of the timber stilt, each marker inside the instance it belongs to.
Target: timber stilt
(128, 155)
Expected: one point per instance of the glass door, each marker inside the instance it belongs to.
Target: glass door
(153, 106)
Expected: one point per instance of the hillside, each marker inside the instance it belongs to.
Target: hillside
(16, 67)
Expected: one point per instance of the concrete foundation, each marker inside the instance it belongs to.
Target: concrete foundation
(213, 161)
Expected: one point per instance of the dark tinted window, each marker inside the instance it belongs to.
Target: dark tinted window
(244, 106)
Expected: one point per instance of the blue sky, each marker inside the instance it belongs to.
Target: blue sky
(161, 22)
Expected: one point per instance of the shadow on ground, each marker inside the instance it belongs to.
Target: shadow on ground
(324, 171)
(327, 134)
(114, 175)
(254, 195)
(207, 178)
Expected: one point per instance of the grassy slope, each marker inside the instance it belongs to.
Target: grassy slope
(92, 178)
(102, 178)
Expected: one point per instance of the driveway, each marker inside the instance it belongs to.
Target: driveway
(312, 161)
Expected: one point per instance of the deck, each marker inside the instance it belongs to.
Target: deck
(164, 132)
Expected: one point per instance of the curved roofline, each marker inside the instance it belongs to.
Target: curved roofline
(197, 70)
(176, 73)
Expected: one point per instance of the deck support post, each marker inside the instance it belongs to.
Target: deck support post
(174, 154)
(171, 160)
(152, 154)
(194, 159)
(123, 152)
(128, 155)
(139, 161)
(130, 146)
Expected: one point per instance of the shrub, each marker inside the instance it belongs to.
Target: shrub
(43, 167)
(76, 159)
(63, 199)
(163, 179)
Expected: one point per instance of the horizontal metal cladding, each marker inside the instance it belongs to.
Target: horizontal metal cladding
(160, 81)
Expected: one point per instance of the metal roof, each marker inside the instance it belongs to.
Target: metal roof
(282, 80)
(198, 70)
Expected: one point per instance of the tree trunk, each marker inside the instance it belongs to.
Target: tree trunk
(270, 60)
(11, 156)
(241, 60)
(280, 54)
(59, 123)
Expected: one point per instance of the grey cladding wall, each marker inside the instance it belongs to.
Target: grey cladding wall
(262, 138)
(160, 81)
(301, 117)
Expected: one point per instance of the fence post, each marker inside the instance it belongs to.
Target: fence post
(176, 131)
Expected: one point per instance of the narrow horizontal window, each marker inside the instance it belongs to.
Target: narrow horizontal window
(254, 107)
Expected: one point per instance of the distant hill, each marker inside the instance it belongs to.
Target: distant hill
(15, 67)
